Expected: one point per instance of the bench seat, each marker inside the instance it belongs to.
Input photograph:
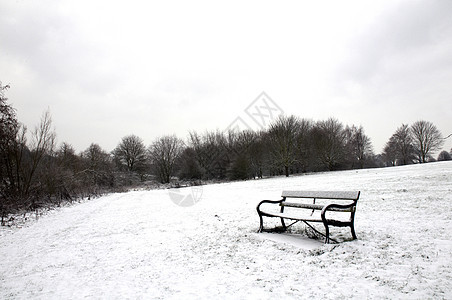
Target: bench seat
(314, 206)
(332, 202)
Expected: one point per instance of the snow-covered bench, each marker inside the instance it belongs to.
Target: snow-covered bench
(337, 208)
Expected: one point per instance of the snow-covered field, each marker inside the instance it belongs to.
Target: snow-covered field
(142, 245)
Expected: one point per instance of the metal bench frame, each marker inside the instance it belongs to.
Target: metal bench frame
(351, 196)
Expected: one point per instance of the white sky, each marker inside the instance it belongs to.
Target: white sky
(107, 69)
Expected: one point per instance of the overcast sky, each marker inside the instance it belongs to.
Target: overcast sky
(107, 69)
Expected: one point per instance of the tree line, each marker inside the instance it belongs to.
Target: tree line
(414, 144)
(35, 172)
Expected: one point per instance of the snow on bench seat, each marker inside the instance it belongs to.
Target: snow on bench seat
(338, 195)
(329, 205)
(313, 206)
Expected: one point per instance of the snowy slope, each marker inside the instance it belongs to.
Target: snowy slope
(142, 245)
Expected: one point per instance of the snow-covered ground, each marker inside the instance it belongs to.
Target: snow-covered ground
(142, 245)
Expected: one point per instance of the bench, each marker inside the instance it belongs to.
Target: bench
(337, 208)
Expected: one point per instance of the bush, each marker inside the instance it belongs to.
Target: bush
(444, 155)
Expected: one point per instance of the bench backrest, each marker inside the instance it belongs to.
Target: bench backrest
(336, 195)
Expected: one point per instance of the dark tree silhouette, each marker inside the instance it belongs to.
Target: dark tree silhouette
(399, 149)
(131, 154)
(426, 139)
(358, 145)
(282, 136)
(164, 153)
(328, 141)
(444, 155)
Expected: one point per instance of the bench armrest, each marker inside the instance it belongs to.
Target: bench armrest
(269, 201)
(337, 207)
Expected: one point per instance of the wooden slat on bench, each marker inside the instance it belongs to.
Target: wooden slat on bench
(313, 206)
(346, 195)
(295, 217)
(302, 205)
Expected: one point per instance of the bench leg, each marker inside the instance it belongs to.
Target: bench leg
(261, 226)
(327, 234)
(283, 224)
(352, 227)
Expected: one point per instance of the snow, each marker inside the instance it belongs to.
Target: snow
(352, 195)
(142, 245)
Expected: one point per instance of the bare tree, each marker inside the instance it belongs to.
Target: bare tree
(42, 143)
(213, 152)
(189, 167)
(98, 168)
(400, 146)
(68, 175)
(426, 139)
(67, 156)
(389, 154)
(96, 158)
(258, 155)
(8, 131)
(164, 153)
(8, 121)
(328, 141)
(25, 163)
(359, 147)
(282, 135)
(304, 144)
(242, 147)
(131, 153)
